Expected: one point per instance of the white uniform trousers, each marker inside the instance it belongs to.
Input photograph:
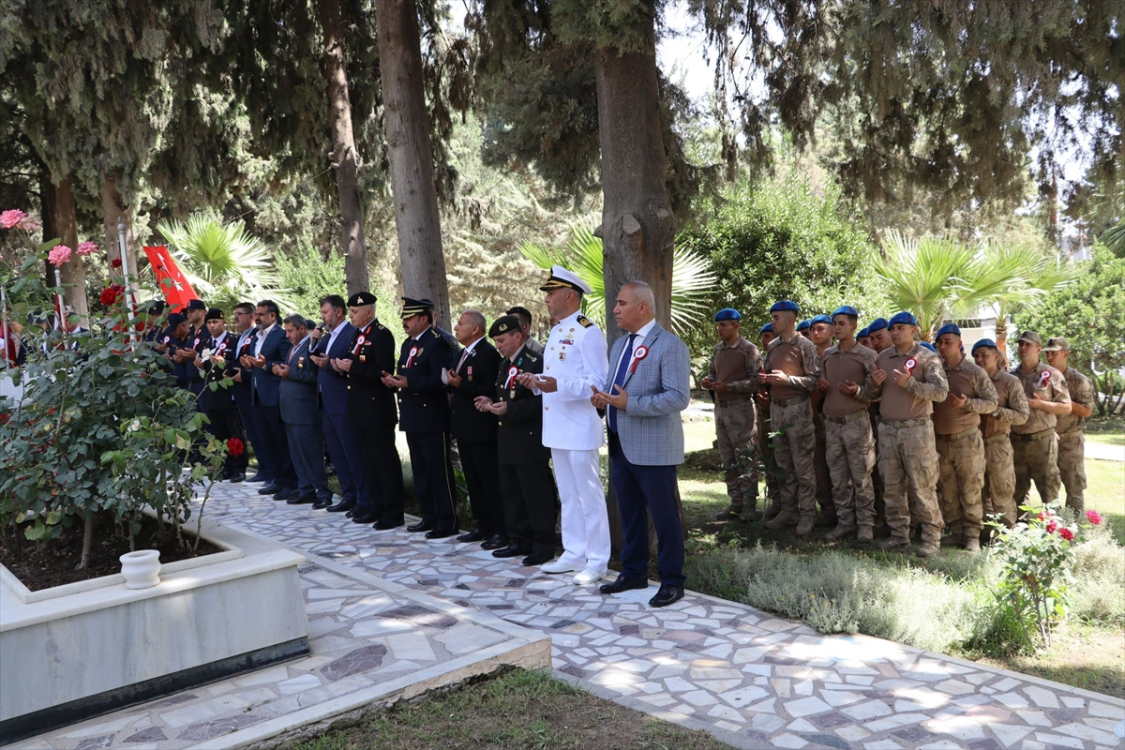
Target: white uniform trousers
(585, 519)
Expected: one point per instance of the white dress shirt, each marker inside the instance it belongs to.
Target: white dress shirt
(641, 334)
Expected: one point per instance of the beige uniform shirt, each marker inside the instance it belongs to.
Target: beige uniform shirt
(797, 358)
(840, 366)
(1081, 392)
(1011, 406)
(1047, 384)
(925, 385)
(737, 366)
(966, 379)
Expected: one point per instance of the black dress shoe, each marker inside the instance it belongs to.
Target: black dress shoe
(387, 525)
(302, 499)
(292, 493)
(421, 526)
(496, 541)
(440, 533)
(271, 489)
(667, 595)
(257, 478)
(623, 584)
(536, 558)
(341, 506)
(322, 504)
(365, 515)
(476, 535)
(512, 550)
(236, 477)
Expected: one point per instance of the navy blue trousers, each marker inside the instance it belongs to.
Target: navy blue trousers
(653, 488)
(273, 448)
(246, 415)
(306, 450)
(429, 454)
(347, 457)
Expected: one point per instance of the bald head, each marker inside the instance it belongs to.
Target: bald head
(636, 306)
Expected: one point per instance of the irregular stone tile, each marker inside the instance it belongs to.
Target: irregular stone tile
(868, 710)
(206, 730)
(806, 707)
(152, 734)
(359, 660)
(1057, 740)
(93, 743)
(1041, 696)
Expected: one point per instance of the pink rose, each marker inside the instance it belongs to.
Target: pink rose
(85, 248)
(30, 224)
(1093, 517)
(1053, 526)
(11, 218)
(59, 255)
(1066, 534)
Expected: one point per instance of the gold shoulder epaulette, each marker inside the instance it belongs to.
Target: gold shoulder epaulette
(584, 321)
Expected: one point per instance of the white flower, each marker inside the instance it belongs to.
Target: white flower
(206, 354)
(135, 426)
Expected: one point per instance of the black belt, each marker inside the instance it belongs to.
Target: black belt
(958, 435)
(844, 420)
(789, 401)
(1027, 437)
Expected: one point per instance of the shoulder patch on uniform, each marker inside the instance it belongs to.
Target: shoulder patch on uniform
(530, 358)
(584, 321)
(435, 334)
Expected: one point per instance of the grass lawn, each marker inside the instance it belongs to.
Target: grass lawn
(1107, 431)
(517, 710)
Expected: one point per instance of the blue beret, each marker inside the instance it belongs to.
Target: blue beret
(783, 305)
(948, 328)
(903, 317)
(803, 325)
(984, 342)
(878, 324)
(845, 310)
(863, 334)
(767, 328)
(821, 319)
(728, 313)
(928, 345)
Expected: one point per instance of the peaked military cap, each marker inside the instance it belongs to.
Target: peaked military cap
(1031, 337)
(878, 324)
(412, 307)
(360, 299)
(1057, 344)
(948, 328)
(175, 319)
(728, 313)
(195, 304)
(155, 307)
(214, 314)
(903, 317)
(504, 324)
(785, 305)
(561, 278)
(845, 310)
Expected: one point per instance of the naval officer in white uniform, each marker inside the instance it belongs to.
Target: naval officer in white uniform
(574, 359)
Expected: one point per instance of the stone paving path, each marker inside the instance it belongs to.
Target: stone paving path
(750, 679)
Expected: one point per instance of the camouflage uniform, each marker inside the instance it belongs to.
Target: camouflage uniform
(850, 446)
(820, 462)
(765, 450)
(1034, 443)
(791, 416)
(1071, 430)
(998, 494)
(907, 455)
(735, 427)
(960, 448)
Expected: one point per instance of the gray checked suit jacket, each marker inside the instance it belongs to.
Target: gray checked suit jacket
(650, 428)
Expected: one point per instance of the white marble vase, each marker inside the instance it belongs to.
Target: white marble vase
(141, 568)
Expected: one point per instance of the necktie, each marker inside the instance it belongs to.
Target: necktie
(619, 378)
(464, 356)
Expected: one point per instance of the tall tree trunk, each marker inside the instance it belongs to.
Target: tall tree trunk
(113, 212)
(66, 227)
(343, 148)
(417, 221)
(638, 228)
(47, 213)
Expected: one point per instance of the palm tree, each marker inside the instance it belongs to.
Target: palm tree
(223, 262)
(692, 278)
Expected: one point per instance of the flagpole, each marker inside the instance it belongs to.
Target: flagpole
(125, 272)
(60, 302)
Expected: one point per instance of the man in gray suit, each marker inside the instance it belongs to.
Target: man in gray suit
(301, 415)
(643, 401)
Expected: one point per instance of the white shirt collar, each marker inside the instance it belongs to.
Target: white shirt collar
(643, 332)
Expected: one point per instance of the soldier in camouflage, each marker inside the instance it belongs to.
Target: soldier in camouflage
(732, 378)
(765, 442)
(1034, 443)
(909, 379)
(1071, 428)
(820, 333)
(961, 465)
(998, 494)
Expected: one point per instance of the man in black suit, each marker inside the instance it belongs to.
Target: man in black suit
(424, 417)
(270, 348)
(245, 336)
(526, 482)
(216, 399)
(475, 432)
(297, 402)
(371, 412)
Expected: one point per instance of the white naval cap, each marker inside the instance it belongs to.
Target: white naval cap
(562, 278)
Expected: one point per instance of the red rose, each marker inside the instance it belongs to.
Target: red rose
(115, 263)
(1066, 534)
(235, 447)
(110, 295)
(1093, 517)
(1053, 526)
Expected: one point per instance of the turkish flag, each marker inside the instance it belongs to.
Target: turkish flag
(177, 291)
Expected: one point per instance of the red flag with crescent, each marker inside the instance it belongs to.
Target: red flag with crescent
(171, 280)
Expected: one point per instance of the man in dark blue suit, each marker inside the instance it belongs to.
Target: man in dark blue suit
(270, 348)
(372, 413)
(217, 402)
(301, 414)
(424, 417)
(335, 341)
(245, 336)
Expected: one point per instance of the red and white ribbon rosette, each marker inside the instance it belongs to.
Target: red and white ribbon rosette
(910, 365)
(512, 372)
(1044, 378)
(410, 357)
(360, 341)
(638, 355)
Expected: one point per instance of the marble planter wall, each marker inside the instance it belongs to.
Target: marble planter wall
(101, 646)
